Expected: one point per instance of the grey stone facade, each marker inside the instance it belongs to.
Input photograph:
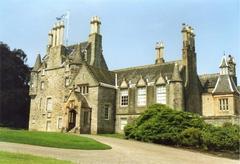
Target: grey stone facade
(73, 90)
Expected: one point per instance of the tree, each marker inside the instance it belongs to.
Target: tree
(14, 78)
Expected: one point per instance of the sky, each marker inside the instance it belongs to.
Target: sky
(130, 29)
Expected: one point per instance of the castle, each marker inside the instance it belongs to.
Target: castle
(72, 88)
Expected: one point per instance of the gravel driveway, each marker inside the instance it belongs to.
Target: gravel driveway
(122, 152)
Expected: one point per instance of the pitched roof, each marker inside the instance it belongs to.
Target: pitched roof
(37, 63)
(150, 72)
(208, 80)
(102, 75)
(223, 62)
(225, 84)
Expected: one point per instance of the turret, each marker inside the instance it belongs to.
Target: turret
(159, 53)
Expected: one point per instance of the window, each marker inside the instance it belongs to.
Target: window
(83, 89)
(42, 85)
(223, 104)
(67, 81)
(49, 104)
(123, 123)
(124, 97)
(106, 111)
(141, 96)
(161, 94)
(59, 123)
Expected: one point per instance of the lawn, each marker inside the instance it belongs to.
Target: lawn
(51, 139)
(13, 158)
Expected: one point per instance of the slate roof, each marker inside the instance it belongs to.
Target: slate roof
(150, 72)
(208, 80)
(37, 64)
(225, 84)
(102, 75)
(75, 52)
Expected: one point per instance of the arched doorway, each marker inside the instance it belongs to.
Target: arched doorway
(71, 119)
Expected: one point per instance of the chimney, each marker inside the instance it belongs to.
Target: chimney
(54, 32)
(95, 25)
(159, 53)
(61, 33)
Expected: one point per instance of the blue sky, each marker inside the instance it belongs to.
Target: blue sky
(130, 29)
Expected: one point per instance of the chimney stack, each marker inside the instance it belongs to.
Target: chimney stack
(95, 25)
(159, 53)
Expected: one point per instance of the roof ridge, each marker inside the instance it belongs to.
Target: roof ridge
(145, 66)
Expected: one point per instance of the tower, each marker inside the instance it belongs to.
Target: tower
(191, 81)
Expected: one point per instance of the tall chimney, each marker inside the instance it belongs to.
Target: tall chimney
(95, 25)
(61, 33)
(159, 53)
(54, 31)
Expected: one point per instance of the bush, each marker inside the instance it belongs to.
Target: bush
(161, 124)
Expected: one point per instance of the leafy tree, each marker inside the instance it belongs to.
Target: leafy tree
(14, 78)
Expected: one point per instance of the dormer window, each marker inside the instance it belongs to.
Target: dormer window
(124, 97)
(141, 96)
(161, 94)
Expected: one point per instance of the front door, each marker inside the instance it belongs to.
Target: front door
(72, 119)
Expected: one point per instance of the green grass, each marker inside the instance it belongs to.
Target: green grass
(51, 139)
(114, 135)
(16, 158)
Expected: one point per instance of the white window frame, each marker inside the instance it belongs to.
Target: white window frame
(123, 96)
(223, 104)
(141, 96)
(161, 94)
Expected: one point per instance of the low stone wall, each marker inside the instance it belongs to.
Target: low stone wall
(219, 120)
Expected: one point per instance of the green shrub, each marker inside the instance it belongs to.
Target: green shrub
(225, 138)
(191, 137)
(161, 124)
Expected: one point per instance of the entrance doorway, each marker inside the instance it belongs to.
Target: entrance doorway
(72, 119)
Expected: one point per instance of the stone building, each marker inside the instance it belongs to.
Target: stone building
(72, 88)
